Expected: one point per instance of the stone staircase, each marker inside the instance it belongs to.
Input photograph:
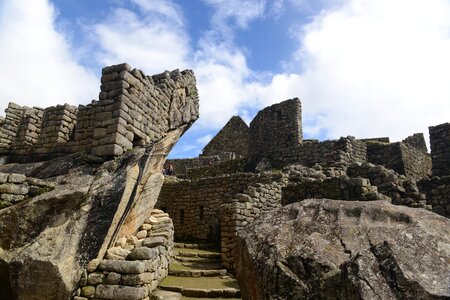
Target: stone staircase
(195, 273)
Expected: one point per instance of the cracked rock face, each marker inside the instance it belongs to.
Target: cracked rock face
(331, 249)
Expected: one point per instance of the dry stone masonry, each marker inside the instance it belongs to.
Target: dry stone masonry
(233, 138)
(440, 149)
(133, 110)
(133, 268)
(291, 218)
(94, 221)
(276, 132)
(18, 187)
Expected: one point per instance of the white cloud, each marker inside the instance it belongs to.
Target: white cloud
(152, 38)
(203, 140)
(37, 66)
(235, 12)
(375, 68)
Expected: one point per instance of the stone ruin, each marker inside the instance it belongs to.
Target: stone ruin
(133, 110)
(87, 214)
(217, 196)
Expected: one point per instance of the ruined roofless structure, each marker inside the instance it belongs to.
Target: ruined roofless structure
(133, 110)
(91, 216)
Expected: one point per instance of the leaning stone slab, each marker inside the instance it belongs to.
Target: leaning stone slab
(120, 292)
(142, 253)
(122, 266)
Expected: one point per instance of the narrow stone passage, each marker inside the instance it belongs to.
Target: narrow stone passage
(196, 272)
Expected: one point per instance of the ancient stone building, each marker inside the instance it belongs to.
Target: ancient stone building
(440, 149)
(133, 110)
(276, 132)
(232, 138)
(73, 225)
(409, 157)
(80, 223)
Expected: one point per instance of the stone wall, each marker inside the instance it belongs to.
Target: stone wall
(417, 140)
(233, 137)
(256, 199)
(10, 126)
(340, 152)
(58, 123)
(134, 268)
(222, 168)
(17, 187)
(437, 190)
(194, 205)
(133, 110)
(401, 157)
(182, 166)
(276, 133)
(440, 149)
(28, 131)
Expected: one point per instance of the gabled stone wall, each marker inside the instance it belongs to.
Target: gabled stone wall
(232, 138)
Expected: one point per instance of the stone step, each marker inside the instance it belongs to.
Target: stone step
(203, 246)
(202, 287)
(186, 252)
(165, 295)
(197, 259)
(208, 265)
(182, 272)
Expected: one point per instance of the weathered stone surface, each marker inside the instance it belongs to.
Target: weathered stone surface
(119, 292)
(142, 253)
(113, 278)
(122, 266)
(330, 249)
(154, 241)
(117, 253)
(138, 279)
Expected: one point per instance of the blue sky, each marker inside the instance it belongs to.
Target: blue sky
(360, 67)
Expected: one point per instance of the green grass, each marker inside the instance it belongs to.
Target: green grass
(199, 282)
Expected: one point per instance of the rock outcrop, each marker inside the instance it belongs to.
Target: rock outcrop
(331, 249)
(47, 240)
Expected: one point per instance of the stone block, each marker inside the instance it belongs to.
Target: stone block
(12, 198)
(119, 292)
(142, 253)
(92, 265)
(114, 69)
(96, 278)
(138, 279)
(16, 178)
(141, 234)
(154, 241)
(99, 133)
(88, 291)
(122, 266)
(3, 177)
(113, 278)
(107, 150)
(16, 189)
(117, 253)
